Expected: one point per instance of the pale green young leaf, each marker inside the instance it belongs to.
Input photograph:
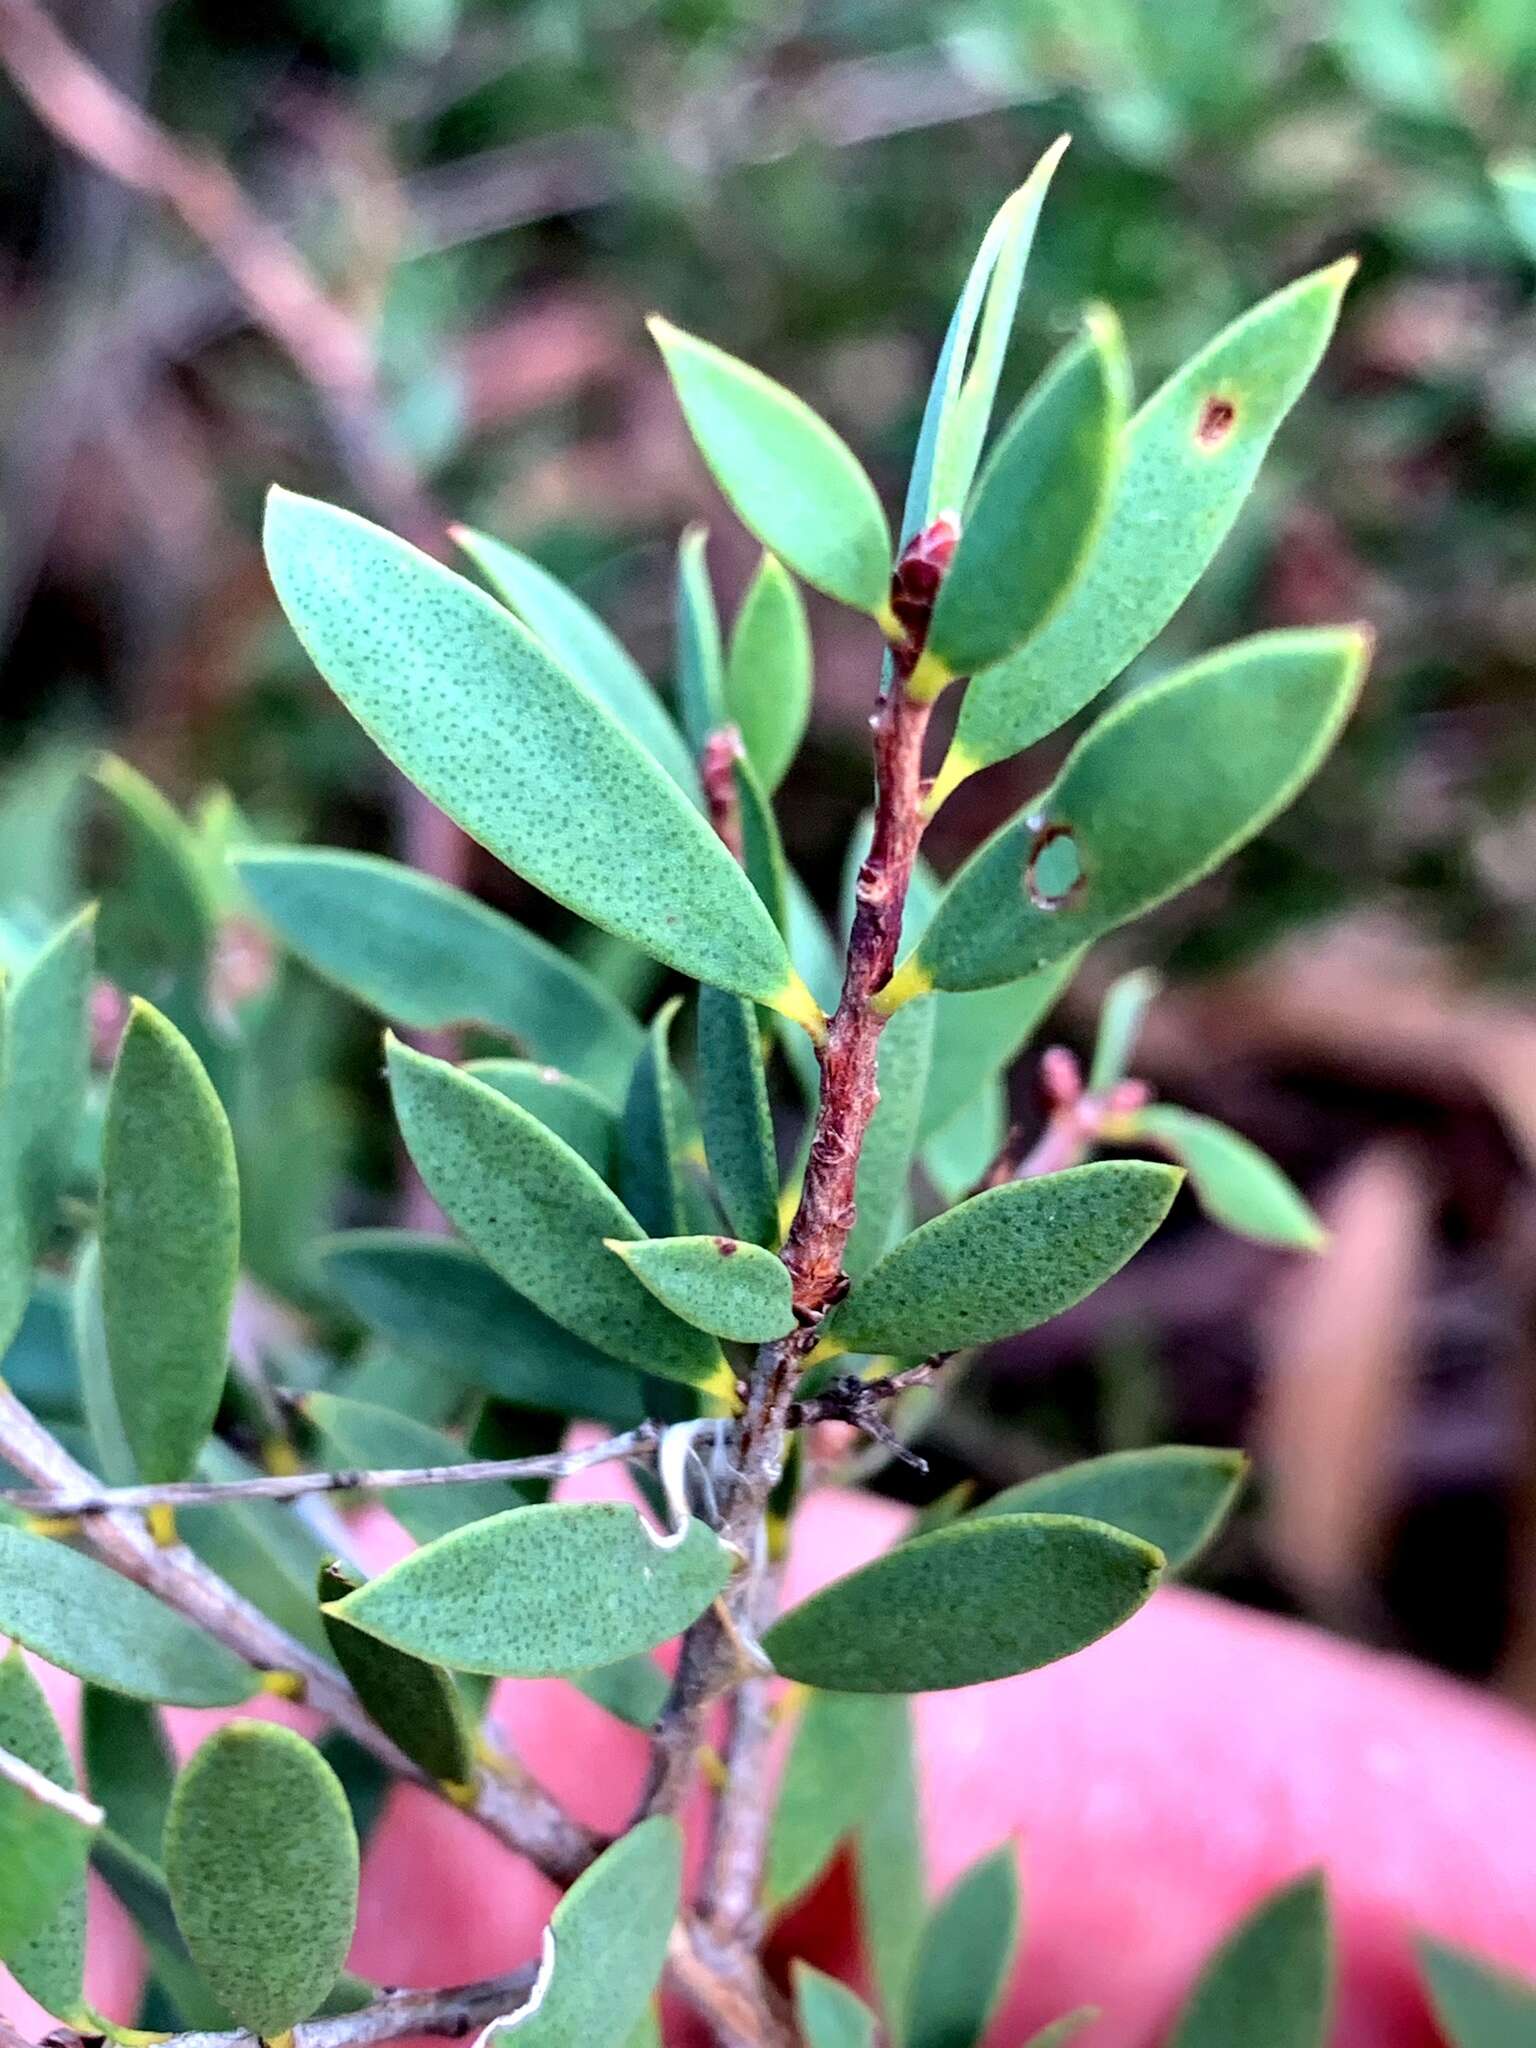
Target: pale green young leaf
(1037, 511)
(544, 1591)
(835, 1777)
(42, 1854)
(417, 1704)
(170, 1245)
(768, 672)
(1005, 1260)
(1175, 1496)
(582, 643)
(700, 656)
(605, 1947)
(978, 1600)
(1270, 1984)
(475, 711)
(370, 1438)
(261, 1858)
(724, 1285)
(1236, 1184)
(1162, 789)
(634, 1689)
(75, 1613)
(539, 1215)
(438, 1302)
(903, 1065)
(1120, 1020)
(650, 1182)
(1188, 464)
(790, 479)
(428, 957)
(980, 1033)
(734, 1113)
(967, 1953)
(888, 1869)
(1477, 2004)
(129, 1766)
(830, 2015)
(572, 1109)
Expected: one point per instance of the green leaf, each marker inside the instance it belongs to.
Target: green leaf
(958, 1155)
(428, 957)
(539, 1215)
(768, 672)
(1005, 1260)
(1270, 1984)
(1163, 788)
(650, 1137)
(437, 1301)
(634, 1690)
(110, 1455)
(981, 1033)
(1477, 2004)
(128, 1766)
(261, 1858)
(260, 1547)
(1237, 1185)
(377, 1439)
(968, 1950)
(137, 1883)
(959, 407)
(724, 1285)
(544, 1591)
(572, 1109)
(834, 1780)
(42, 1854)
(1514, 180)
(1186, 469)
(44, 1074)
(734, 1112)
(888, 1868)
(790, 479)
(903, 1064)
(75, 1613)
(605, 1946)
(579, 640)
(471, 707)
(1067, 2028)
(1037, 511)
(700, 659)
(830, 2015)
(977, 1600)
(160, 914)
(170, 1245)
(1174, 1497)
(39, 1368)
(762, 849)
(1120, 1020)
(417, 1704)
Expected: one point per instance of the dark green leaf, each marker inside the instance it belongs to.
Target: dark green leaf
(762, 850)
(888, 1866)
(1174, 1497)
(732, 1289)
(42, 1854)
(651, 1135)
(572, 1109)
(733, 1109)
(415, 1703)
(158, 917)
(978, 1600)
(1237, 1185)
(834, 1780)
(700, 660)
(261, 1859)
(1270, 1984)
(1005, 1260)
(903, 1065)
(128, 1766)
(634, 1690)
(830, 2015)
(135, 1880)
(544, 1591)
(968, 1950)
(376, 1439)
(768, 672)
(1477, 2004)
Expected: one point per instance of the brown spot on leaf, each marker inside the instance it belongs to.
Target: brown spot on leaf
(1218, 416)
(725, 1246)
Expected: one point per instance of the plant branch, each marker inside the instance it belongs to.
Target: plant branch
(25, 1778)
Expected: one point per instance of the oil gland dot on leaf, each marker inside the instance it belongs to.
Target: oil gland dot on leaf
(1053, 874)
(1218, 416)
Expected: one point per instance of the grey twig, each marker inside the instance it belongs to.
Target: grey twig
(26, 1778)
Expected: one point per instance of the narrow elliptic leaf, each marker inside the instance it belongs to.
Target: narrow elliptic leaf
(734, 1113)
(1270, 1984)
(1190, 456)
(819, 963)
(768, 672)
(128, 1766)
(762, 848)
(980, 1033)
(1037, 510)
(1005, 1260)
(42, 1853)
(374, 1439)
(75, 1613)
(417, 1704)
(160, 914)
(1237, 1185)
(1477, 2004)
(724, 1285)
(700, 657)
(605, 1947)
(261, 1858)
(830, 2015)
(650, 1182)
(968, 1950)
(427, 957)
(957, 1158)
(834, 1779)
(1174, 1497)
(978, 1600)
(543, 1591)
(790, 479)
(437, 1301)
(580, 642)
(474, 710)
(634, 1690)
(960, 400)
(903, 1063)
(1120, 1021)
(44, 1073)
(1163, 788)
(170, 1245)
(539, 1215)
(888, 1869)
(572, 1109)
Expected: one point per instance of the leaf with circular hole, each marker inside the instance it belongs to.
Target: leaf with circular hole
(1174, 1496)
